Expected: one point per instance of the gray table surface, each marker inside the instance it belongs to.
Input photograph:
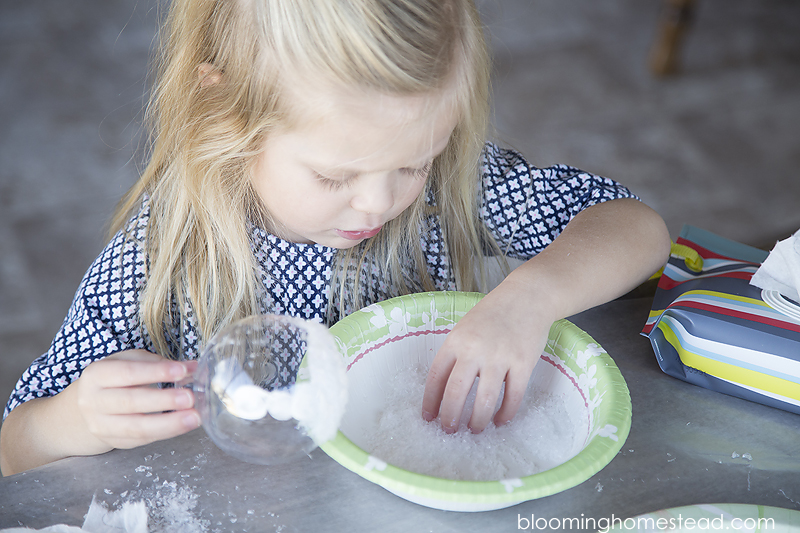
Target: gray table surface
(687, 445)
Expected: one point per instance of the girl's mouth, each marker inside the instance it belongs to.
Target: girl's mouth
(358, 235)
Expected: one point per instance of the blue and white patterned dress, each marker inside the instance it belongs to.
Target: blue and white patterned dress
(524, 208)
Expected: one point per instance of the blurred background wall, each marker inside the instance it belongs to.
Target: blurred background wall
(716, 145)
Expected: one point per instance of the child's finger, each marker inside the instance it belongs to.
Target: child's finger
(114, 373)
(435, 385)
(489, 386)
(191, 367)
(130, 431)
(135, 400)
(516, 385)
(455, 395)
(135, 355)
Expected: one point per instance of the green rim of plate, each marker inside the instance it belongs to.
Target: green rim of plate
(609, 398)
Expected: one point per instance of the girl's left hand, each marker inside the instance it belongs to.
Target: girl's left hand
(621, 242)
(499, 340)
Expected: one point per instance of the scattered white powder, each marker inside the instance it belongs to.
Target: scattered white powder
(541, 436)
(169, 508)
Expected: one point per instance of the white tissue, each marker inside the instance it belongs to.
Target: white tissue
(130, 518)
(780, 271)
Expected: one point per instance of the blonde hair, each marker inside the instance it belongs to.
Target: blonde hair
(207, 133)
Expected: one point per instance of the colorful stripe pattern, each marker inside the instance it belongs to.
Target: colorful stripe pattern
(710, 327)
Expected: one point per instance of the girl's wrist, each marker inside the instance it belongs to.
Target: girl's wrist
(539, 294)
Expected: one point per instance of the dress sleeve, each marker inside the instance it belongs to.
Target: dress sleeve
(103, 319)
(526, 208)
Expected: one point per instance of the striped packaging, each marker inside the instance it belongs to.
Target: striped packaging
(710, 327)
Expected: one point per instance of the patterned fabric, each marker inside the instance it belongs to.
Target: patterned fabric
(524, 207)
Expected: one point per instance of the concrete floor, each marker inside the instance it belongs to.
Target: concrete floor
(717, 146)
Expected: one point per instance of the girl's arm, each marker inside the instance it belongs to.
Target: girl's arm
(604, 252)
(114, 404)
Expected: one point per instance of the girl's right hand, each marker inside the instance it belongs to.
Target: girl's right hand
(121, 407)
(114, 404)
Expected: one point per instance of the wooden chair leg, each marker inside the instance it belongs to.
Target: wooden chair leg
(675, 18)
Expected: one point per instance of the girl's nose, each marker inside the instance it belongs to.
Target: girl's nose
(373, 194)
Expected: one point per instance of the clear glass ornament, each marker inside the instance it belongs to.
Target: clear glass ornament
(257, 402)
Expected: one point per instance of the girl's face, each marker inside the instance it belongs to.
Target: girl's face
(350, 163)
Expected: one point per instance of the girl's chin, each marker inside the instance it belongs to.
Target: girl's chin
(344, 244)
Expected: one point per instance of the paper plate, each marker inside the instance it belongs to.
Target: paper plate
(715, 517)
(407, 331)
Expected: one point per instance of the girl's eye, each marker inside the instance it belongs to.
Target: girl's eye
(338, 184)
(420, 172)
(332, 184)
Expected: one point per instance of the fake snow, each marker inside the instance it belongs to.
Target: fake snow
(166, 507)
(541, 436)
(171, 508)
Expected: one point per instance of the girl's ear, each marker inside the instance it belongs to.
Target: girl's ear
(208, 75)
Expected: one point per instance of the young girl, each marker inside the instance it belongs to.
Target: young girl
(310, 158)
